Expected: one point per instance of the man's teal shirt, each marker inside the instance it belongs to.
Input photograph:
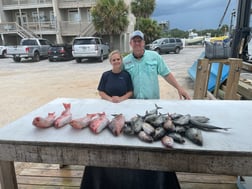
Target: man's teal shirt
(144, 74)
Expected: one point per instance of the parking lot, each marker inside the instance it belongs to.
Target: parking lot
(26, 86)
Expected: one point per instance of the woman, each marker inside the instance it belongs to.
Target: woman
(115, 85)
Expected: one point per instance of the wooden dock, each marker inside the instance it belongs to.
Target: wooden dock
(51, 176)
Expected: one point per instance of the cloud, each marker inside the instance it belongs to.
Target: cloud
(194, 13)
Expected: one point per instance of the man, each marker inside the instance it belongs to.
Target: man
(144, 67)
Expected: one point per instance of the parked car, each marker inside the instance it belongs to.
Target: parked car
(60, 52)
(3, 51)
(34, 48)
(166, 45)
(89, 47)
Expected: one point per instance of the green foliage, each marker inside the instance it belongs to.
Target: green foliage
(150, 28)
(110, 16)
(184, 34)
(142, 8)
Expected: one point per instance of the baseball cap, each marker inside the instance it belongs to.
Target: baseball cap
(137, 33)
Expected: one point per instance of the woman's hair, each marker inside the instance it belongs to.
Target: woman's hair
(114, 52)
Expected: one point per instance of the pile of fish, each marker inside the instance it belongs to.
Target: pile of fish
(153, 126)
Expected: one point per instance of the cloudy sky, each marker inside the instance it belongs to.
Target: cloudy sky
(193, 14)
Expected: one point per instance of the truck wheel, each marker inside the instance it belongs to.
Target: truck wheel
(177, 50)
(16, 59)
(101, 58)
(4, 55)
(36, 57)
(158, 50)
(78, 60)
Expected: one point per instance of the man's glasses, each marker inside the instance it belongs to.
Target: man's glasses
(137, 40)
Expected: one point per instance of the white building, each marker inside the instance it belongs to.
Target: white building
(56, 20)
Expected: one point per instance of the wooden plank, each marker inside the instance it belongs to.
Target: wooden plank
(53, 173)
(8, 175)
(207, 186)
(245, 89)
(55, 166)
(51, 181)
(233, 78)
(24, 186)
(47, 171)
(201, 82)
(247, 66)
(206, 178)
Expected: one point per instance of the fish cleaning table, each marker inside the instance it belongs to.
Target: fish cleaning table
(223, 152)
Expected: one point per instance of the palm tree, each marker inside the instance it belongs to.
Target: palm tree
(142, 9)
(110, 17)
(150, 28)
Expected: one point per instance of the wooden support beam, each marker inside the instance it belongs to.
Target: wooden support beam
(203, 72)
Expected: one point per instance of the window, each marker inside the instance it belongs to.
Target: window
(165, 41)
(172, 40)
(89, 16)
(73, 15)
(41, 17)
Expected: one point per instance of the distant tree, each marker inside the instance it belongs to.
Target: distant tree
(178, 33)
(150, 28)
(142, 9)
(110, 17)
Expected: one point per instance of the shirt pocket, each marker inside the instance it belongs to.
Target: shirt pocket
(151, 67)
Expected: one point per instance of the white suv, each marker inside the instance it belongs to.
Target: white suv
(89, 47)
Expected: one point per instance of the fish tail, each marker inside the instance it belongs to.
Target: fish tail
(67, 105)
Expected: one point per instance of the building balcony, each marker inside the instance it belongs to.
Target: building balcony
(76, 3)
(25, 4)
(69, 28)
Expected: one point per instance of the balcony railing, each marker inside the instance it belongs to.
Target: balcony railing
(76, 3)
(33, 27)
(73, 28)
(67, 28)
(26, 2)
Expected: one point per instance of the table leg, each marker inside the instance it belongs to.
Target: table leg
(8, 178)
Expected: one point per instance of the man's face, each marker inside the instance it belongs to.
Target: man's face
(137, 43)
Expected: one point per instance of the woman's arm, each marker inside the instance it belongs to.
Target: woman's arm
(115, 99)
(104, 96)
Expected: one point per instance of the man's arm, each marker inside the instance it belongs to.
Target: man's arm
(172, 81)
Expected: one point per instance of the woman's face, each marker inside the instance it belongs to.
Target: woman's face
(116, 60)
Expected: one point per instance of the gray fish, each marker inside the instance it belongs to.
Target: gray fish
(180, 129)
(148, 128)
(175, 116)
(159, 133)
(194, 135)
(159, 121)
(128, 129)
(136, 123)
(150, 118)
(177, 137)
(183, 120)
(202, 119)
(205, 126)
(145, 137)
(154, 111)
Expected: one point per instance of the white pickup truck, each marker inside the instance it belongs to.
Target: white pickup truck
(33, 48)
(2, 51)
